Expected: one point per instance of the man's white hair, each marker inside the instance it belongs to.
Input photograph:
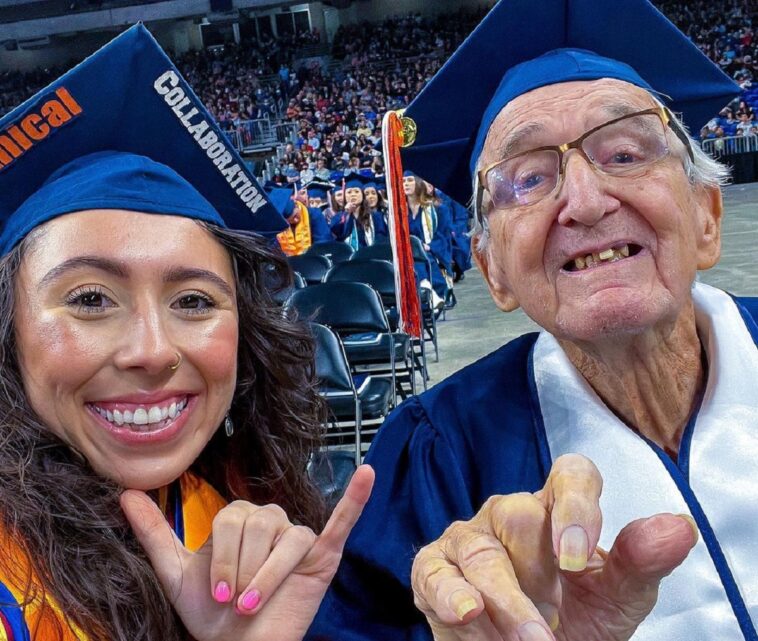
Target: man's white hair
(702, 170)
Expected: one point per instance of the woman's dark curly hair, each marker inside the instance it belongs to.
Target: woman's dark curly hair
(67, 520)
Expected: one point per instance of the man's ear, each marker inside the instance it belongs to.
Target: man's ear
(710, 209)
(493, 275)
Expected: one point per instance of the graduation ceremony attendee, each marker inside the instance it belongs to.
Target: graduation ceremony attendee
(358, 225)
(431, 223)
(594, 481)
(459, 236)
(307, 225)
(151, 487)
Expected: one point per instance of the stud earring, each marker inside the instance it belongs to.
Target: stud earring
(228, 425)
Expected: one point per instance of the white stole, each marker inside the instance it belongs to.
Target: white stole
(692, 605)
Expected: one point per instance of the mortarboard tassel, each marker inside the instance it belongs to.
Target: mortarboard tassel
(408, 306)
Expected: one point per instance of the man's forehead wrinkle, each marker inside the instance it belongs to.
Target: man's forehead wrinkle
(516, 122)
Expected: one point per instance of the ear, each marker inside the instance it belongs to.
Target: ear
(493, 276)
(710, 210)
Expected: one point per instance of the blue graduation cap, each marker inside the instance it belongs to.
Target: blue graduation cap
(282, 200)
(522, 45)
(123, 130)
(318, 188)
(356, 181)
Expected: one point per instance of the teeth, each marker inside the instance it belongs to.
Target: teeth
(607, 255)
(142, 417)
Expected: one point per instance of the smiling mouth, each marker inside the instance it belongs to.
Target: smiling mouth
(142, 418)
(595, 259)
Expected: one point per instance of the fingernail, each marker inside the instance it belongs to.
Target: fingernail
(573, 549)
(550, 613)
(692, 524)
(461, 602)
(533, 631)
(222, 593)
(250, 600)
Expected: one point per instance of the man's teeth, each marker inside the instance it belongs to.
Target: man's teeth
(609, 255)
(141, 418)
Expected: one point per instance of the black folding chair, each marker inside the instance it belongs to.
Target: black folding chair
(380, 251)
(281, 295)
(355, 311)
(334, 250)
(379, 274)
(311, 267)
(370, 401)
(428, 316)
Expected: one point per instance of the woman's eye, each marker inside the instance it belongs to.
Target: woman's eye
(195, 303)
(89, 301)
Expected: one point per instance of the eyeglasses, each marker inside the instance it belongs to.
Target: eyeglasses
(624, 146)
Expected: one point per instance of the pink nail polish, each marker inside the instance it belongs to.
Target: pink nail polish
(251, 599)
(222, 592)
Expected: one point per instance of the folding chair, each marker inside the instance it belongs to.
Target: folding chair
(355, 311)
(311, 267)
(381, 251)
(428, 317)
(334, 250)
(379, 274)
(281, 295)
(370, 401)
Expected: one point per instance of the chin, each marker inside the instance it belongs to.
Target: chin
(609, 319)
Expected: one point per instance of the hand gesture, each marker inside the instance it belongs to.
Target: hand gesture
(257, 577)
(527, 566)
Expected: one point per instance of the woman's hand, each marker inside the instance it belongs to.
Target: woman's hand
(527, 566)
(257, 577)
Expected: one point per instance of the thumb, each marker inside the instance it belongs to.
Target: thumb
(154, 533)
(646, 551)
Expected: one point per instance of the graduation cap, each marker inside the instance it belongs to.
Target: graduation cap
(123, 130)
(318, 188)
(356, 181)
(282, 200)
(522, 45)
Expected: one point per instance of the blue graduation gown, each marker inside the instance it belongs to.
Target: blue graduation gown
(438, 458)
(343, 224)
(461, 243)
(440, 248)
(320, 232)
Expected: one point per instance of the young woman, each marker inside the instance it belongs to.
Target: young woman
(158, 412)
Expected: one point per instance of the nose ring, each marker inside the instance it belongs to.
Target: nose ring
(175, 366)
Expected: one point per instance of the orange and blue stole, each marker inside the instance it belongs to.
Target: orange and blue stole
(28, 614)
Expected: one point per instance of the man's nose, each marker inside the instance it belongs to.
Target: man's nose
(583, 196)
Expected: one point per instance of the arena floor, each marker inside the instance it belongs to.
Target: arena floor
(476, 327)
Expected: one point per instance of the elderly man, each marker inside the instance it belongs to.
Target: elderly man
(595, 481)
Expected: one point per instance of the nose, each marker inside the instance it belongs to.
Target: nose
(146, 345)
(583, 197)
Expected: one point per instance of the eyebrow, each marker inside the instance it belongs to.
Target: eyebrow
(512, 143)
(120, 270)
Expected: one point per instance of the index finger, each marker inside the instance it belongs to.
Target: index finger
(347, 512)
(572, 497)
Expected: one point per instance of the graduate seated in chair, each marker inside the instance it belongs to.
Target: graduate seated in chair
(307, 225)
(594, 481)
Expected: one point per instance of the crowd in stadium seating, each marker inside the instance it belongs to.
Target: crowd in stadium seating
(338, 115)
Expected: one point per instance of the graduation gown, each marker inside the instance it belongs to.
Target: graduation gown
(440, 245)
(343, 225)
(190, 505)
(460, 240)
(496, 426)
